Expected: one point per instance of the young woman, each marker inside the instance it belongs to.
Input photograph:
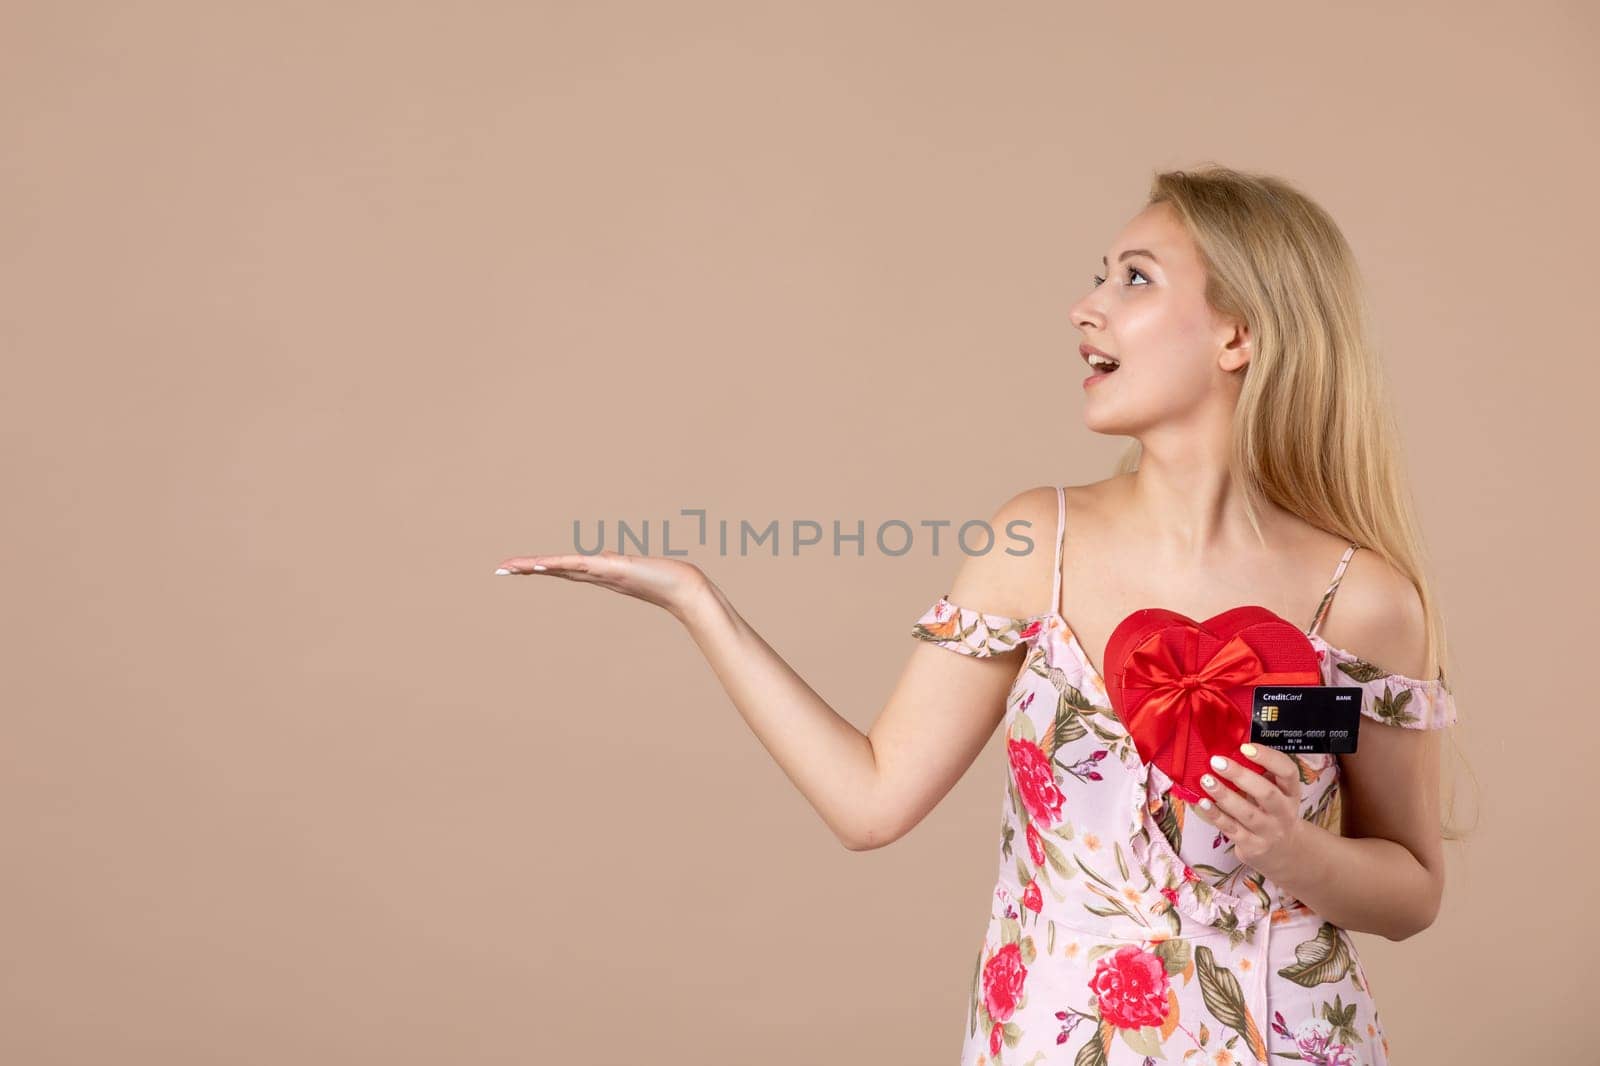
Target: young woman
(1127, 922)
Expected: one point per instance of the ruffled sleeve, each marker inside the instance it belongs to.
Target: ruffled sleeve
(970, 632)
(1393, 699)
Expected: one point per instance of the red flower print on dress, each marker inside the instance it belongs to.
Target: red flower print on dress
(1131, 985)
(1003, 975)
(1030, 630)
(1036, 783)
(1035, 845)
(1032, 898)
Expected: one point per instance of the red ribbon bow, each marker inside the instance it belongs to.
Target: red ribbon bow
(1181, 703)
(1186, 713)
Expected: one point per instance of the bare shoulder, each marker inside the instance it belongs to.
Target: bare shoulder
(1013, 576)
(1377, 614)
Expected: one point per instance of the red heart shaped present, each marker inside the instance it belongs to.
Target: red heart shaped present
(1183, 689)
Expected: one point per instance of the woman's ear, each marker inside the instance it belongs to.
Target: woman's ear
(1236, 352)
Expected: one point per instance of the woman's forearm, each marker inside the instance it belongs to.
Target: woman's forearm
(829, 760)
(1368, 884)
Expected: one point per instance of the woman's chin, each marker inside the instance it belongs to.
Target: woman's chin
(1105, 423)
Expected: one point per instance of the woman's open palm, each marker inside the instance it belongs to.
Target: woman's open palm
(667, 583)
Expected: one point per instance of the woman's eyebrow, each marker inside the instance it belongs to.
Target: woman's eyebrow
(1132, 251)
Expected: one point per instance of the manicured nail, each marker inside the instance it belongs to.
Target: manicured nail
(502, 570)
(1218, 762)
(540, 566)
(1206, 805)
(1247, 750)
(1208, 781)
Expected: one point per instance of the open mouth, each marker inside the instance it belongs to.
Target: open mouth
(1101, 364)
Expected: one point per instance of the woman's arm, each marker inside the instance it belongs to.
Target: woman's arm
(870, 788)
(1385, 873)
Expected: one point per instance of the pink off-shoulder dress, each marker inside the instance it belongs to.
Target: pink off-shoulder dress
(1122, 930)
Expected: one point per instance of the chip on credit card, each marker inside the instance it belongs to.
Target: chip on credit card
(1306, 719)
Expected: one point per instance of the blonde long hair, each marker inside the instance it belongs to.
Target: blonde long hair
(1314, 430)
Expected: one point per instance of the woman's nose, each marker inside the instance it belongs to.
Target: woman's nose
(1085, 316)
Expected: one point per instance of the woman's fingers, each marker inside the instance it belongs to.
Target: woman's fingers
(1241, 806)
(1216, 816)
(1257, 789)
(592, 569)
(664, 582)
(557, 565)
(1283, 768)
(1254, 793)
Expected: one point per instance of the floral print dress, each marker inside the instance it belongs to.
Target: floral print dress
(1121, 930)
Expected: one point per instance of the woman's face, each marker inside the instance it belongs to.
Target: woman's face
(1147, 308)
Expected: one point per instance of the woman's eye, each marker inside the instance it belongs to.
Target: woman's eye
(1132, 272)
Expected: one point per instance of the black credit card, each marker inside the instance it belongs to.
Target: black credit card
(1306, 719)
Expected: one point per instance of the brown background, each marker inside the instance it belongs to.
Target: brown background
(314, 312)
